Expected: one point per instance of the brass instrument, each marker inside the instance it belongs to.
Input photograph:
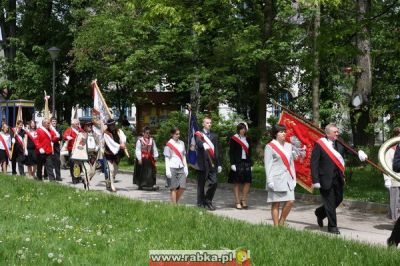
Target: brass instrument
(381, 156)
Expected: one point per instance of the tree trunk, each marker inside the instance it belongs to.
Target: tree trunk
(361, 117)
(269, 15)
(8, 28)
(316, 72)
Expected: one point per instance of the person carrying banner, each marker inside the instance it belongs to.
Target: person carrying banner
(327, 171)
(114, 146)
(70, 135)
(208, 164)
(241, 164)
(55, 158)
(279, 157)
(30, 152)
(146, 152)
(18, 149)
(44, 147)
(176, 168)
(5, 146)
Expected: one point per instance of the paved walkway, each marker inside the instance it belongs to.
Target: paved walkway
(372, 228)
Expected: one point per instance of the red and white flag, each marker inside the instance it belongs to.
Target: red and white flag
(299, 133)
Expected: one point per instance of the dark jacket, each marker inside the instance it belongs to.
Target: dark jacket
(204, 160)
(235, 152)
(323, 169)
(396, 160)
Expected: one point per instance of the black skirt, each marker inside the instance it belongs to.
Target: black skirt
(242, 173)
(3, 156)
(31, 159)
(144, 175)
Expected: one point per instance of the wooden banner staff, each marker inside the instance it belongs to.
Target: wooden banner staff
(347, 146)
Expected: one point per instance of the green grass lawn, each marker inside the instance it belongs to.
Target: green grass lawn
(50, 224)
(365, 184)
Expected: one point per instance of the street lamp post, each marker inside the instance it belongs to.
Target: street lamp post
(54, 51)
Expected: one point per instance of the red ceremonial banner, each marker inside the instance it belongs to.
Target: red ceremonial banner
(298, 133)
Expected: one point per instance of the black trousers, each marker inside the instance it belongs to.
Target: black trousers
(331, 199)
(17, 158)
(395, 236)
(202, 177)
(45, 160)
(56, 163)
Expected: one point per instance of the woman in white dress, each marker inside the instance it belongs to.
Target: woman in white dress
(279, 159)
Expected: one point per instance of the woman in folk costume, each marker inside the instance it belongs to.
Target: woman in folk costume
(279, 159)
(5, 146)
(176, 168)
(114, 148)
(30, 139)
(86, 149)
(145, 166)
(241, 163)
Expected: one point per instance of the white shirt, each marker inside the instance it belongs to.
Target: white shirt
(7, 140)
(244, 140)
(138, 149)
(174, 160)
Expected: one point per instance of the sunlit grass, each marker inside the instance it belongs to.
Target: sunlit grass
(46, 223)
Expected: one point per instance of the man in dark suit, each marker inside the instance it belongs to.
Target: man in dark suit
(55, 158)
(208, 164)
(327, 171)
(394, 238)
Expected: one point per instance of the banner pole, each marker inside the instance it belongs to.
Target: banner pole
(347, 146)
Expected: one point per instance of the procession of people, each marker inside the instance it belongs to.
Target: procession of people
(91, 144)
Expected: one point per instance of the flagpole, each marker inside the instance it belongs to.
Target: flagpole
(94, 83)
(189, 128)
(347, 146)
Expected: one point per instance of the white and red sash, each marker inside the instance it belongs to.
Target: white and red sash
(335, 156)
(30, 135)
(5, 146)
(245, 146)
(49, 135)
(75, 130)
(205, 139)
(17, 137)
(283, 154)
(175, 149)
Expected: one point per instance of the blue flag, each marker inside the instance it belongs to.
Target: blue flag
(192, 152)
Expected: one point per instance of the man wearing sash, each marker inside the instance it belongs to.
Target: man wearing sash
(44, 145)
(114, 146)
(176, 168)
(70, 135)
(55, 158)
(327, 171)
(208, 164)
(18, 150)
